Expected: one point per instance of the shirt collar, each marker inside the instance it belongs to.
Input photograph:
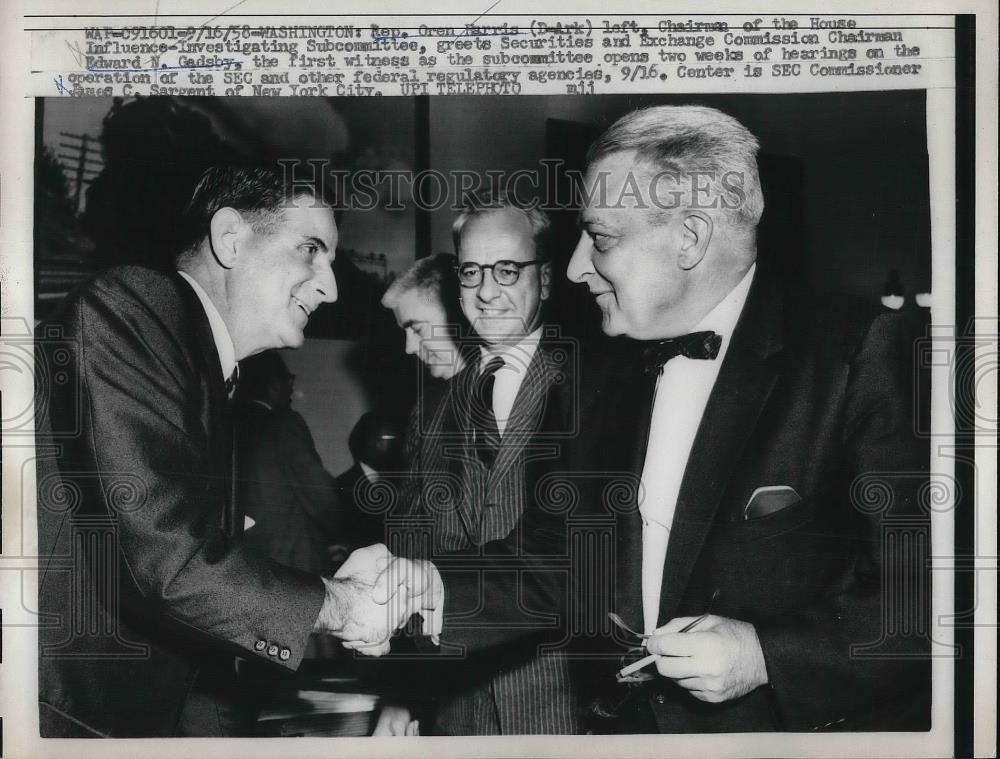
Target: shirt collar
(220, 333)
(524, 350)
(722, 319)
(370, 474)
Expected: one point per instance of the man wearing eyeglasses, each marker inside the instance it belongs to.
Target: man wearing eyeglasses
(487, 436)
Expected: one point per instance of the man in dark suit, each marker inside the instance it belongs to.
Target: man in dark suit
(478, 446)
(293, 502)
(147, 591)
(376, 444)
(758, 418)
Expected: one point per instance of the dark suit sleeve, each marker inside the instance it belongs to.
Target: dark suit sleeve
(511, 588)
(845, 654)
(146, 455)
(316, 488)
(511, 583)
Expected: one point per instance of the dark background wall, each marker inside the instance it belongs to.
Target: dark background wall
(862, 192)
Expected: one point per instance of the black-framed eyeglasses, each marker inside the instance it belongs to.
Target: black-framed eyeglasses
(505, 273)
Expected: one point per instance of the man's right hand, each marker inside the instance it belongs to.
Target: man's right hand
(352, 612)
(419, 584)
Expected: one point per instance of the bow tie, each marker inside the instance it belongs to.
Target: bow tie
(699, 345)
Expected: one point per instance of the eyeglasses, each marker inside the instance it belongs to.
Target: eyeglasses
(505, 273)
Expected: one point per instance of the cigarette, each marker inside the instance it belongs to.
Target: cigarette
(636, 666)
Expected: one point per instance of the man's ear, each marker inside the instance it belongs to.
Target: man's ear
(545, 275)
(225, 231)
(696, 234)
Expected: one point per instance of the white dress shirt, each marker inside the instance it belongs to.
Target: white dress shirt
(679, 402)
(516, 359)
(220, 333)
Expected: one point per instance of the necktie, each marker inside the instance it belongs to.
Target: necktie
(484, 421)
(698, 345)
(232, 521)
(231, 381)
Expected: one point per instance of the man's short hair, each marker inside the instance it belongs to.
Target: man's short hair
(691, 141)
(479, 205)
(433, 277)
(262, 193)
(377, 441)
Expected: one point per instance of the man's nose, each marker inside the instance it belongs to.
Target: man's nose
(580, 265)
(488, 288)
(325, 282)
(412, 343)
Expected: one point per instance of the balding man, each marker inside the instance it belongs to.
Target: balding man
(480, 445)
(750, 414)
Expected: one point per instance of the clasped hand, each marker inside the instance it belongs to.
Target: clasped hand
(720, 659)
(374, 593)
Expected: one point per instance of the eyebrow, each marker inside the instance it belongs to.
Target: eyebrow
(582, 222)
(316, 240)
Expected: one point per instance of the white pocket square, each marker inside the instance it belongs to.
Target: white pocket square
(770, 500)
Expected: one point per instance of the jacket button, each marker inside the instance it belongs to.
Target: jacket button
(272, 650)
(284, 654)
(659, 698)
(260, 644)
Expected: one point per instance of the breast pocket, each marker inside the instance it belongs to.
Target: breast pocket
(797, 516)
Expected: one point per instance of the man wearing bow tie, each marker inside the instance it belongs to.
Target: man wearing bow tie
(750, 412)
(147, 591)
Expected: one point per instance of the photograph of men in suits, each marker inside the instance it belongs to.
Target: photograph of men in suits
(147, 588)
(749, 408)
(482, 431)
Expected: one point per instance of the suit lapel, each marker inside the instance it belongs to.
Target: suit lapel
(218, 419)
(620, 409)
(745, 382)
(454, 447)
(525, 416)
(638, 403)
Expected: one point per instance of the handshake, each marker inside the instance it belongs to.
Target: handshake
(374, 593)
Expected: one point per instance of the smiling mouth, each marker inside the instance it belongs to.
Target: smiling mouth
(303, 306)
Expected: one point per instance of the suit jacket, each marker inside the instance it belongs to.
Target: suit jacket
(500, 553)
(363, 521)
(815, 394)
(144, 578)
(283, 487)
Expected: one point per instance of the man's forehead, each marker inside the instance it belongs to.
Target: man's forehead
(312, 220)
(621, 180)
(418, 305)
(504, 233)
